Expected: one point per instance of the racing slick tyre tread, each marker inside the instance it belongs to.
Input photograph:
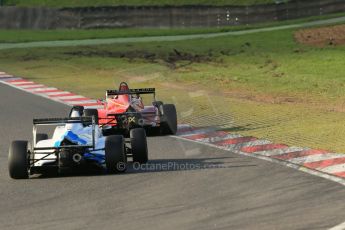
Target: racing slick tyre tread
(90, 113)
(18, 162)
(169, 119)
(41, 137)
(78, 108)
(115, 156)
(139, 145)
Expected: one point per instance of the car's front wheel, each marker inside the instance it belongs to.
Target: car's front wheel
(168, 119)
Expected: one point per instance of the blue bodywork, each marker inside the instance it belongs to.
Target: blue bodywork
(88, 155)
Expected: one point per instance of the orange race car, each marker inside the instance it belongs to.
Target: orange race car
(124, 110)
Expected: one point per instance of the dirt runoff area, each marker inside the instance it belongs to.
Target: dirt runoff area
(322, 37)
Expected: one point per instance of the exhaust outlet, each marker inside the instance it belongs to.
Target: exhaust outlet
(77, 158)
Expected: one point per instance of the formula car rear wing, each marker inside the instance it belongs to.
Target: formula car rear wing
(58, 121)
(131, 91)
(63, 121)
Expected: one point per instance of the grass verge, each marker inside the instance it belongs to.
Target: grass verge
(263, 84)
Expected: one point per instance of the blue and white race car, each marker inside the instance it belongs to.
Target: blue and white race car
(77, 141)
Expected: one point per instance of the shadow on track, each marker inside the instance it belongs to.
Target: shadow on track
(157, 166)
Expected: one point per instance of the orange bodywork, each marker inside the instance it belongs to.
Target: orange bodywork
(116, 105)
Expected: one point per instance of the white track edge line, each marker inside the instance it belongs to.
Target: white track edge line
(338, 227)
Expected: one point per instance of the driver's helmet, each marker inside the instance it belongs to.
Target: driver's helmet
(74, 126)
(75, 113)
(123, 86)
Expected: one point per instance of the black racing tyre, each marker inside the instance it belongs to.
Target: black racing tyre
(139, 145)
(41, 137)
(153, 131)
(91, 113)
(78, 108)
(115, 156)
(168, 119)
(18, 161)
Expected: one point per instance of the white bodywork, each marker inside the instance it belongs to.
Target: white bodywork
(79, 133)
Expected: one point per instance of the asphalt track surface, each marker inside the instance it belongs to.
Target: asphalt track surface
(107, 41)
(226, 191)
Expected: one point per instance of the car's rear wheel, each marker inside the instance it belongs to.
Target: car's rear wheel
(139, 145)
(18, 161)
(115, 156)
(153, 131)
(91, 113)
(41, 137)
(168, 119)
